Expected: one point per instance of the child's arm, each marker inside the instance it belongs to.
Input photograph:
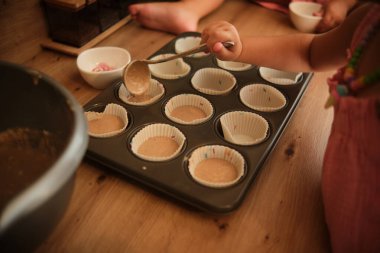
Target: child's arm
(297, 52)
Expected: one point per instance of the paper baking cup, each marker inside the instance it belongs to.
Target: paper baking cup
(155, 91)
(110, 109)
(189, 100)
(244, 128)
(262, 97)
(233, 66)
(173, 69)
(157, 130)
(213, 81)
(187, 43)
(216, 151)
(279, 77)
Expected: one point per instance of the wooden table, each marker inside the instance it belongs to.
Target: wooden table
(283, 211)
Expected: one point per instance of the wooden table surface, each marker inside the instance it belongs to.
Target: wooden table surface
(283, 211)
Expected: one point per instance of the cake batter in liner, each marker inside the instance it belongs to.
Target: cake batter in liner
(157, 130)
(155, 91)
(213, 81)
(221, 152)
(262, 97)
(189, 100)
(111, 109)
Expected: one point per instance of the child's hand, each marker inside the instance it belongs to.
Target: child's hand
(219, 32)
(335, 11)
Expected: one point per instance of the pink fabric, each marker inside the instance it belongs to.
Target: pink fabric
(351, 171)
(351, 177)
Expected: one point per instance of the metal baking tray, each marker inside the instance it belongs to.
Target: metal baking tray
(172, 178)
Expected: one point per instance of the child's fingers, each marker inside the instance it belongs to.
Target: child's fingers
(328, 22)
(218, 47)
(222, 52)
(216, 33)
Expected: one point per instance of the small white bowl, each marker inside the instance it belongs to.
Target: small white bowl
(301, 14)
(115, 57)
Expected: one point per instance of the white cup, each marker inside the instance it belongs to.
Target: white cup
(302, 15)
(115, 57)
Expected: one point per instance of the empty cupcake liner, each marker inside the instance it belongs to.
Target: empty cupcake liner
(155, 91)
(280, 77)
(193, 100)
(173, 69)
(157, 130)
(110, 109)
(233, 66)
(262, 97)
(213, 81)
(187, 43)
(244, 128)
(215, 175)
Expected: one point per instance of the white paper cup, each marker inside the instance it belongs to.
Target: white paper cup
(155, 91)
(302, 15)
(187, 43)
(244, 128)
(262, 97)
(195, 109)
(216, 166)
(110, 109)
(157, 150)
(173, 69)
(280, 77)
(213, 81)
(233, 66)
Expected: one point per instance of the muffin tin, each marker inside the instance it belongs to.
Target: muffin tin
(172, 177)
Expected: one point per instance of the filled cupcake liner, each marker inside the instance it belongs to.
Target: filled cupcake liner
(189, 100)
(187, 43)
(244, 128)
(262, 97)
(155, 91)
(216, 151)
(280, 77)
(173, 69)
(213, 81)
(233, 66)
(157, 130)
(110, 109)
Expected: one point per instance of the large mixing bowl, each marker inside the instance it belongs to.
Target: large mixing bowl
(43, 137)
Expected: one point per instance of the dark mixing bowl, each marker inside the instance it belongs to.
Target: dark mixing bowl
(43, 138)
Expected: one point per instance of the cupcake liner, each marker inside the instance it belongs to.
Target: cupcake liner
(155, 91)
(213, 81)
(262, 97)
(189, 100)
(224, 153)
(187, 43)
(157, 130)
(233, 66)
(173, 69)
(244, 128)
(110, 109)
(280, 77)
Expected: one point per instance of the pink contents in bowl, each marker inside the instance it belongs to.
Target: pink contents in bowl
(102, 67)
